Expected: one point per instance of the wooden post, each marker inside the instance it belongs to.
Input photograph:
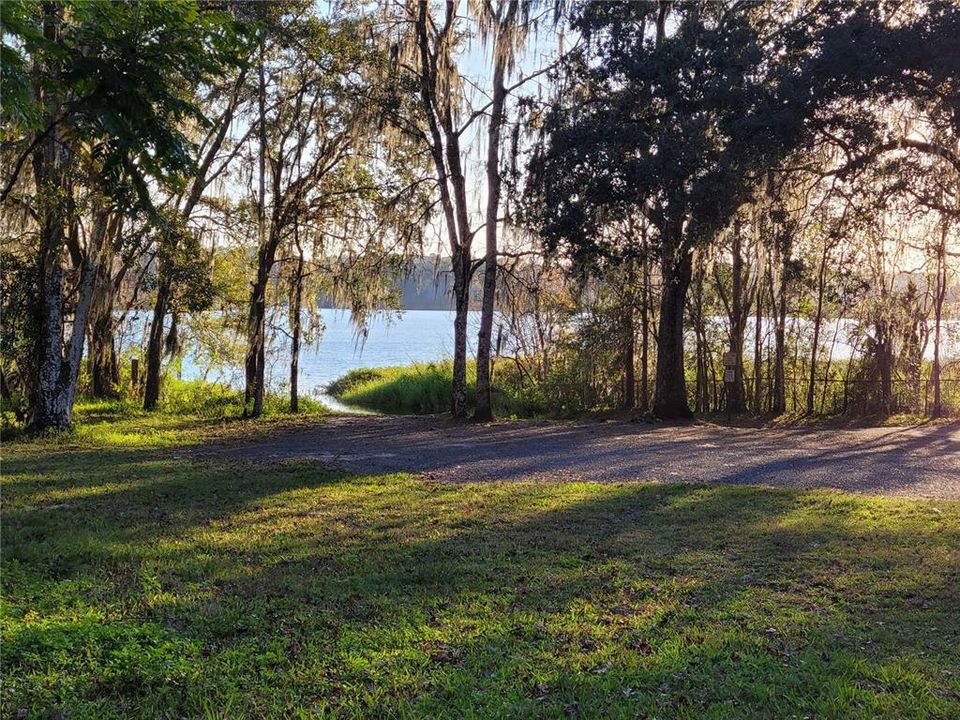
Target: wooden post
(134, 372)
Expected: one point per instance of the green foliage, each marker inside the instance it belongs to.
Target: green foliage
(18, 111)
(140, 584)
(682, 128)
(213, 400)
(183, 264)
(424, 388)
(18, 293)
(123, 422)
(679, 124)
(420, 388)
(124, 78)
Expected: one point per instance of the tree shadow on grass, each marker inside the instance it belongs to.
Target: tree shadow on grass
(676, 600)
(907, 462)
(270, 588)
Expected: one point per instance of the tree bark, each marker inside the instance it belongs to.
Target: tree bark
(461, 299)
(483, 411)
(151, 389)
(779, 403)
(736, 402)
(884, 352)
(629, 340)
(758, 345)
(645, 330)
(102, 353)
(462, 272)
(701, 393)
(253, 392)
(296, 307)
(818, 318)
(54, 382)
(59, 366)
(939, 297)
(256, 328)
(670, 400)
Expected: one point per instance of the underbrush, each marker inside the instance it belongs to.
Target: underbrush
(215, 400)
(187, 408)
(424, 388)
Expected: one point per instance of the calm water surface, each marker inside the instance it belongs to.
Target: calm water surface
(395, 339)
(420, 336)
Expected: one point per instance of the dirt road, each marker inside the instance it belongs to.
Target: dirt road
(909, 462)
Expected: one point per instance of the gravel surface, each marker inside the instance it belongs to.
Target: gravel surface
(907, 462)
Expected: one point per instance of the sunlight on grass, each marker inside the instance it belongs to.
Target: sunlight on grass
(424, 388)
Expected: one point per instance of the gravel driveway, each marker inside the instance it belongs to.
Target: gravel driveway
(909, 462)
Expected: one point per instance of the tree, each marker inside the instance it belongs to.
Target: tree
(673, 125)
(505, 23)
(111, 85)
(683, 124)
(433, 107)
(318, 161)
(214, 157)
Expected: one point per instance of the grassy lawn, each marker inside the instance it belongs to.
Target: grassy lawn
(139, 581)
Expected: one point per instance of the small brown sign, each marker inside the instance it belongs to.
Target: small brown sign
(730, 359)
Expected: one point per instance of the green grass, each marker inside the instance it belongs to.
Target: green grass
(139, 581)
(424, 388)
(420, 388)
(188, 412)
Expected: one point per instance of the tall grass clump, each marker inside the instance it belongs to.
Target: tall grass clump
(421, 388)
(424, 388)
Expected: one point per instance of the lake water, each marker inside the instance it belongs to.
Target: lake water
(399, 339)
(394, 339)
(422, 336)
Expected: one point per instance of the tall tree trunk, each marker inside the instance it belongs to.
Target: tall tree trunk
(670, 400)
(54, 382)
(736, 402)
(826, 370)
(462, 276)
(483, 411)
(296, 307)
(461, 299)
(817, 320)
(758, 346)
(797, 368)
(940, 295)
(256, 330)
(884, 351)
(151, 389)
(59, 366)
(443, 140)
(629, 340)
(102, 353)
(779, 403)
(645, 330)
(256, 312)
(701, 392)
(48, 407)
